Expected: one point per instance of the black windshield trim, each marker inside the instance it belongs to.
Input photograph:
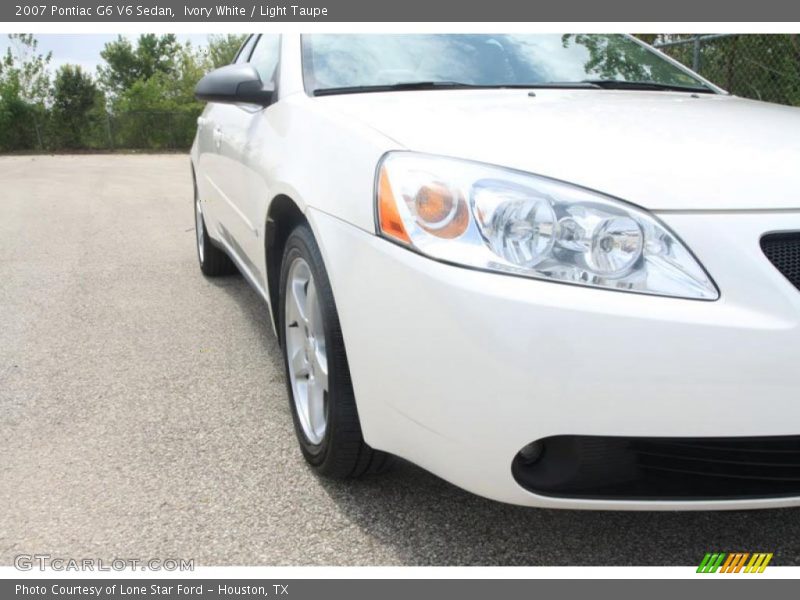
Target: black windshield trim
(621, 84)
(451, 85)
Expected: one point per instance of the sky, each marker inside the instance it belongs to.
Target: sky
(84, 50)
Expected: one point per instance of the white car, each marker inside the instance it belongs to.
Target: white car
(557, 271)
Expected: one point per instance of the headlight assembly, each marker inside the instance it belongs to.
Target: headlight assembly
(497, 219)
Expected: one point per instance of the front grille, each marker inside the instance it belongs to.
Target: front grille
(664, 468)
(783, 251)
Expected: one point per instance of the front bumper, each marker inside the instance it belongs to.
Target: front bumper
(457, 370)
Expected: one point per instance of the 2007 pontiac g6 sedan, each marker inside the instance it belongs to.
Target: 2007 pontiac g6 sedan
(555, 270)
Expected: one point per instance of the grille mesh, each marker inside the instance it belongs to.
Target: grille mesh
(663, 468)
(783, 251)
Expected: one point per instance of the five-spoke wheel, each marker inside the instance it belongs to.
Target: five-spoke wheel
(306, 348)
(317, 374)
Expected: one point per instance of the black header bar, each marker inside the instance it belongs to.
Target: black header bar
(462, 11)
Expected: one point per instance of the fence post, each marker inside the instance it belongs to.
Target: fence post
(108, 131)
(171, 131)
(38, 133)
(696, 57)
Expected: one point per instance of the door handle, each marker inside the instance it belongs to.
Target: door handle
(217, 137)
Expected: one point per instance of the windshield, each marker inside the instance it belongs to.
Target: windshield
(349, 62)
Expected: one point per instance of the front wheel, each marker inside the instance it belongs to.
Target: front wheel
(317, 374)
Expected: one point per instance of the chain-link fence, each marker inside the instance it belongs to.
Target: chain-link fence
(765, 67)
(137, 130)
(152, 130)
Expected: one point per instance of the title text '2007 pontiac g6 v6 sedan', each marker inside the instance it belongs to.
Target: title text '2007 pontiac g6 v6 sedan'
(555, 270)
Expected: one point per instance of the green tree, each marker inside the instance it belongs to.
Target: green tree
(190, 68)
(75, 98)
(222, 49)
(24, 93)
(23, 69)
(126, 64)
(159, 110)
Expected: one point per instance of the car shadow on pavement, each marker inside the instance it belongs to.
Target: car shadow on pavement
(254, 309)
(427, 521)
(431, 522)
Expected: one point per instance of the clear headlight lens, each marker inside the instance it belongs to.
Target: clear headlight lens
(503, 220)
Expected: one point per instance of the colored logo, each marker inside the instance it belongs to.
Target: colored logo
(734, 562)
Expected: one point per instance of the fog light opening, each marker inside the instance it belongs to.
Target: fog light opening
(531, 453)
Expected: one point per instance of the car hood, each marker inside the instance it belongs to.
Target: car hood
(661, 150)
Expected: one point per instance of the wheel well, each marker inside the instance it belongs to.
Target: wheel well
(283, 216)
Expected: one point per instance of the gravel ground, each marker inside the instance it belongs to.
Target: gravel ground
(143, 412)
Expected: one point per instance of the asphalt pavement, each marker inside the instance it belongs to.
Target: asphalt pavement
(143, 412)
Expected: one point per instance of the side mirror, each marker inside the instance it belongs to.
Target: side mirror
(235, 84)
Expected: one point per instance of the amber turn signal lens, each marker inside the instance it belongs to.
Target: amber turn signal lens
(389, 219)
(434, 203)
(440, 212)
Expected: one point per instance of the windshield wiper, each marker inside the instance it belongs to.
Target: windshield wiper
(616, 84)
(451, 85)
(392, 87)
(605, 84)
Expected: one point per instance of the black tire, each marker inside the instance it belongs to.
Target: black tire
(342, 453)
(213, 261)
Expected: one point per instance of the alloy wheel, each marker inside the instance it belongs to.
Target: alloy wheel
(306, 351)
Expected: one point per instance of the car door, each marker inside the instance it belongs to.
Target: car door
(252, 137)
(218, 160)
